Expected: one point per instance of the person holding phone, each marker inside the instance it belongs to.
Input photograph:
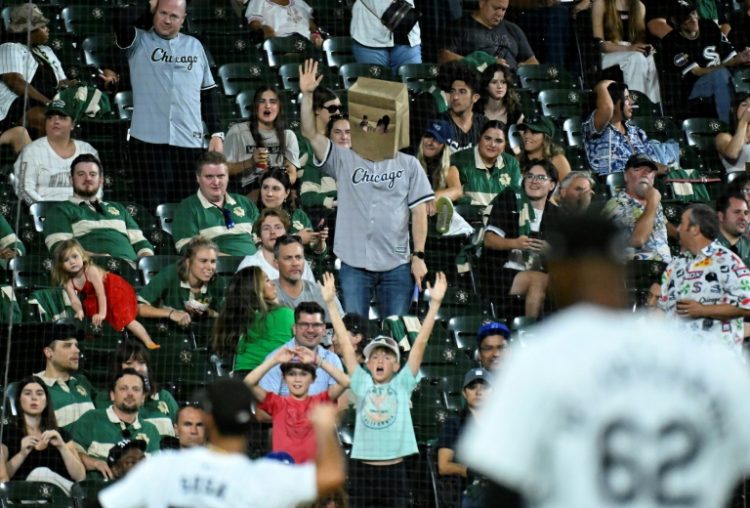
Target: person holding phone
(619, 27)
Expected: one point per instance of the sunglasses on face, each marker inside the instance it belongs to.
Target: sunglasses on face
(332, 109)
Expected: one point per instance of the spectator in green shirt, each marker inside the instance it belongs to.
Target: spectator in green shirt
(187, 290)
(10, 245)
(251, 324)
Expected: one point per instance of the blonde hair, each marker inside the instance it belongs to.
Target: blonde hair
(59, 275)
(191, 249)
(613, 24)
(439, 173)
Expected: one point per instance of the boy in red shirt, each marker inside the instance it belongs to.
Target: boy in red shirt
(292, 431)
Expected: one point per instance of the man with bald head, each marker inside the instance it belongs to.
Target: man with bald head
(173, 94)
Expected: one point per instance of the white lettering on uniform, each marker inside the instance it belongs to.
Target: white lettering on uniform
(160, 55)
(361, 175)
(710, 54)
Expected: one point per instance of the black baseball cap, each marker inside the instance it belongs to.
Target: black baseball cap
(681, 10)
(229, 402)
(119, 449)
(638, 160)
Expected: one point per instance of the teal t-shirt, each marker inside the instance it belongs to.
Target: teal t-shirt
(383, 430)
(264, 336)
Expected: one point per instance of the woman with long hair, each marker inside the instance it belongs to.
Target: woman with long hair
(499, 100)
(186, 290)
(262, 143)
(436, 161)
(160, 407)
(538, 144)
(33, 440)
(276, 192)
(251, 324)
(486, 170)
(318, 190)
(619, 26)
(734, 149)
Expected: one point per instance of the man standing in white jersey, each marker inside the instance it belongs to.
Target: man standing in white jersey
(221, 475)
(605, 408)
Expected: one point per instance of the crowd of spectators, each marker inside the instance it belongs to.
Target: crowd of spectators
(269, 196)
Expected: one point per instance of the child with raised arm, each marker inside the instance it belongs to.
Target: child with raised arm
(383, 432)
(97, 293)
(292, 431)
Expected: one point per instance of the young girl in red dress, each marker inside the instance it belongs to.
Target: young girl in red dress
(97, 293)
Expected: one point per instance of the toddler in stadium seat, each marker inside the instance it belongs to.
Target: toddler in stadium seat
(292, 431)
(383, 432)
(97, 293)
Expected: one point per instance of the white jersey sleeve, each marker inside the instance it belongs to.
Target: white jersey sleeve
(606, 409)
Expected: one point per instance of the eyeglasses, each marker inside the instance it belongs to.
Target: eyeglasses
(308, 326)
(332, 108)
(536, 178)
(228, 220)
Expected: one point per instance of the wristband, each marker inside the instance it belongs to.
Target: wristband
(170, 314)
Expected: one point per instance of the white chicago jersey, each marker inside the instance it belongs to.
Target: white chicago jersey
(203, 478)
(611, 409)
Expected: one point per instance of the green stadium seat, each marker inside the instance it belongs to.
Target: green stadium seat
(419, 77)
(100, 52)
(227, 265)
(151, 265)
(742, 81)
(338, 51)
(211, 18)
(244, 101)
(67, 49)
(165, 214)
(292, 49)
(39, 211)
(121, 268)
(350, 72)
(464, 329)
(236, 77)
(643, 105)
(289, 74)
(562, 103)
(544, 77)
(573, 132)
(701, 132)
(124, 104)
(233, 48)
(34, 495)
(515, 138)
(31, 271)
(615, 183)
(659, 128)
(333, 16)
(86, 20)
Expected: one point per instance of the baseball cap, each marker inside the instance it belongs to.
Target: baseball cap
(638, 160)
(58, 107)
(384, 342)
(26, 18)
(438, 130)
(474, 374)
(296, 364)
(229, 402)
(119, 449)
(357, 324)
(681, 9)
(492, 328)
(539, 124)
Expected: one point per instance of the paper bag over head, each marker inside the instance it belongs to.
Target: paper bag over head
(373, 100)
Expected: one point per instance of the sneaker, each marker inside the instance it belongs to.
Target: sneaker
(444, 208)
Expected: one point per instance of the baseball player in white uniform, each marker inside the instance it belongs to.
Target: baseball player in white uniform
(221, 475)
(607, 408)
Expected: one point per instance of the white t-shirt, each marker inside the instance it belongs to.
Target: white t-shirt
(42, 175)
(608, 409)
(240, 145)
(258, 259)
(202, 478)
(284, 19)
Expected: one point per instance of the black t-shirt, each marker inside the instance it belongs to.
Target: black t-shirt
(49, 457)
(709, 49)
(460, 140)
(506, 40)
(656, 9)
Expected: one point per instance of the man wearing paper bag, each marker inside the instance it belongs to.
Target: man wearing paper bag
(380, 188)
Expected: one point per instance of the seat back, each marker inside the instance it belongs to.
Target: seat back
(165, 214)
(151, 265)
(236, 77)
(350, 72)
(544, 77)
(338, 51)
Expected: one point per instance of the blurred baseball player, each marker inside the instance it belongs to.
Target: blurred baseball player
(607, 408)
(221, 475)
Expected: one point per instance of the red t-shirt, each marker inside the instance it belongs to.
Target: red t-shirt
(292, 431)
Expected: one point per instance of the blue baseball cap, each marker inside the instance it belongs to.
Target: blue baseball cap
(439, 130)
(492, 328)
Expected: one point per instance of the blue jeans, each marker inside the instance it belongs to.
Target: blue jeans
(393, 289)
(394, 57)
(717, 84)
